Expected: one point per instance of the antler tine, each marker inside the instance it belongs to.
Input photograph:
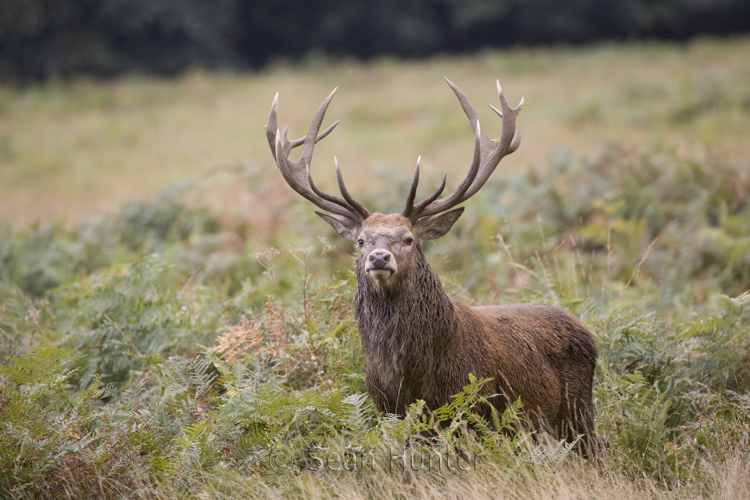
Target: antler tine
(301, 140)
(487, 153)
(510, 130)
(361, 211)
(298, 175)
(345, 193)
(431, 198)
(312, 134)
(413, 212)
(304, 187)
(451, 200)
(272, 126)
(409, 207)
(468, 109)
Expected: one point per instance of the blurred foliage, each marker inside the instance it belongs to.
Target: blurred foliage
(652, 218)
(144, 356)
(40, 39)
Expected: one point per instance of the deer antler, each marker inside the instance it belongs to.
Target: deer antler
(487, 155)
(298, 175)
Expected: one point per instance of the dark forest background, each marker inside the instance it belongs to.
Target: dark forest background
(42, 39)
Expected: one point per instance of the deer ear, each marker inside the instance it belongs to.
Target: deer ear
(435, 226)
(346, 227)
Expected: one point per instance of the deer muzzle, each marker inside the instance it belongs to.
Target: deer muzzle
(380, 264)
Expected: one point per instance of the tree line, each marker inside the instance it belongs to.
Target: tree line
(42, 39)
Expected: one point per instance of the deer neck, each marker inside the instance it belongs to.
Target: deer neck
(411, 314)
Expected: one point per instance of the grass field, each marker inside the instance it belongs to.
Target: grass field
(79, 149)
(165, 339)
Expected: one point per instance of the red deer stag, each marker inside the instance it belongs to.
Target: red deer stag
(421, 344)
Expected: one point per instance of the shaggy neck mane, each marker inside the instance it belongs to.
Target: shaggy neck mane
(411, 315)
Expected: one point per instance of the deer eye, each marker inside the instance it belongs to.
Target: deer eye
(409, 241)
(360, 242)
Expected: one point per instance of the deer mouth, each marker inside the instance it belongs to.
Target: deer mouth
(380, 273)
(380, 270)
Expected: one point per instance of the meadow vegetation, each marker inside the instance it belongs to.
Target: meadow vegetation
(76, 149)
(195, 345)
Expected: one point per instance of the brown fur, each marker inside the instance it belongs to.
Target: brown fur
(420, 344)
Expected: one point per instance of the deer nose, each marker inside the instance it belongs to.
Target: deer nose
(380, 258)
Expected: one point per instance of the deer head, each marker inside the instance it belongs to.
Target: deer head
(390, 244)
